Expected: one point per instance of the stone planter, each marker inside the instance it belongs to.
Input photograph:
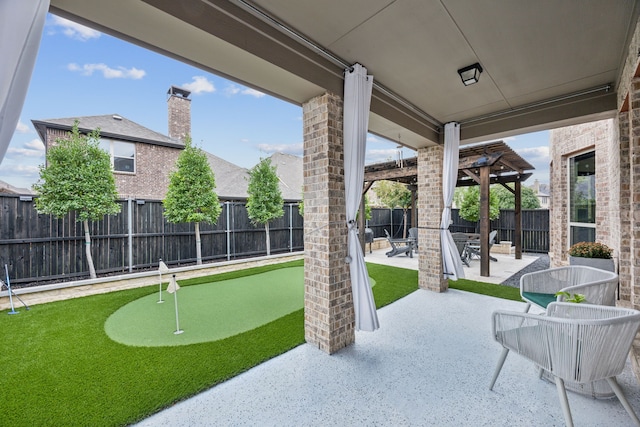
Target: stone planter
(601, 263)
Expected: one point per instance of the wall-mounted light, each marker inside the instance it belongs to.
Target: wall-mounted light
(140, 202)
(470, 74)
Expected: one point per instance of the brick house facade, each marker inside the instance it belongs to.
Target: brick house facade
(142, 172)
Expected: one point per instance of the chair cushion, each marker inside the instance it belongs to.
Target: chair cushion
(542, 300)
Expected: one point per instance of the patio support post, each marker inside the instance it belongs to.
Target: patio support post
(329, 318)
(517, 239)
(430, 206)
(484, 221)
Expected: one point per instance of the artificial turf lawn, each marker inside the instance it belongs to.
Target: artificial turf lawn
(498, 291)
(59, 367)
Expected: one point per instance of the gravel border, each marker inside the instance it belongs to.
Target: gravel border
(542, 263)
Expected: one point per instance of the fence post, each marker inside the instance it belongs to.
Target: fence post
(228, 232)
(130, 232)
(290, 227)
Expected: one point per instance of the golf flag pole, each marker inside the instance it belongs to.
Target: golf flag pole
(8, 284)
(162, 268)
(173, 289)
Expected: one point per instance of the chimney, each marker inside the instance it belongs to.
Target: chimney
(179, 106)
(536, 186)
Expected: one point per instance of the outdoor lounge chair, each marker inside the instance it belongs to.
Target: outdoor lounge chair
(597, 286)
(578, 343)
(399, 246)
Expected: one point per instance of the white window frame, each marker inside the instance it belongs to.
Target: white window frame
(574, 223)
(112, 156)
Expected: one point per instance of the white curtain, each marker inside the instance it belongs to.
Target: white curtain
(451, 263)
(21, 23)
(357, 99)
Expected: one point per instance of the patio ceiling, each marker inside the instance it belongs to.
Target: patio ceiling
(546, 63)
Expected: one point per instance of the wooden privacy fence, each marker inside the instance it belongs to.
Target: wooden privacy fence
(39, 248)
(535, 226)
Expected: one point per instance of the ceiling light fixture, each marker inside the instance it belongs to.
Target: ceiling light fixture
(470, 74)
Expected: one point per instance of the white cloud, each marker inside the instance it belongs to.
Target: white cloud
(295, 149)
(200, 84)
(22, 128)
(21, 169)
(372, 139)
(378, 156)
(74, 30)
(535, 154)
(108, 72)
(231, 90)
(33, 149)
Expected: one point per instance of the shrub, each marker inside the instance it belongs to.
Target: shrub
(590, 250)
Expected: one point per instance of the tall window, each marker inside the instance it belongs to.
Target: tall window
(123, 154)
(582, 198)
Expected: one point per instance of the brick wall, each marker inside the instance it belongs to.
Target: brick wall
(600, 136)
(153, 164)
(179, 109)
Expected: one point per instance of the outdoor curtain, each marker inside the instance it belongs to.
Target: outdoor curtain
(451, 263)
(21, 24)
(357, 99)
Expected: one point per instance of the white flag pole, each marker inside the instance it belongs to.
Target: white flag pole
(8, 284)
(174, 290)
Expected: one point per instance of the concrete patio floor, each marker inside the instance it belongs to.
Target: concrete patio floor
(429, 364)
(499, 271)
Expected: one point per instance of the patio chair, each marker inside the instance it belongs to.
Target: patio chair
(473, 248)
(460, 239)
(580, 343)
(399, 246)
(597, 286)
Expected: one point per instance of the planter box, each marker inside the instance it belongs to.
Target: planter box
(601, 263)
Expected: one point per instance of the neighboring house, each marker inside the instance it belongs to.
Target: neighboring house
(586, 188)
(542, 193)
(290, 174)
(6, 188)
(141, 158)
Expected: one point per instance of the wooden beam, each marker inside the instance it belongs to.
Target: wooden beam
(472, 162)
(472, 175)
(391, 174)
(511, 190)
(367, 187)
(495, 179)
(510, 165)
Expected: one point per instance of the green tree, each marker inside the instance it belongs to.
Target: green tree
(78, 177)
(394, 195)
(191, 196)
(265, 201)
(468, 200)
(506, 199)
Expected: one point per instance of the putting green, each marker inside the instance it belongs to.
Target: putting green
(209, 312)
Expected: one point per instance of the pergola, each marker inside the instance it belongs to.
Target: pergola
(483, 165)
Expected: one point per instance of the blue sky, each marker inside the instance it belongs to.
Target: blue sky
(81, 72)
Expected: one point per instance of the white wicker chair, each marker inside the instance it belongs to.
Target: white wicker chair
(598, 286)
(574, 342)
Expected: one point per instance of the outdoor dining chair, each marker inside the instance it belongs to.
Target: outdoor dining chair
(597, 286)
(581, 343)
(460, 239)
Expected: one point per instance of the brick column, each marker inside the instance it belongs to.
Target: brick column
(329, 319)
(634, 156)
(430, 205)
(624, 247)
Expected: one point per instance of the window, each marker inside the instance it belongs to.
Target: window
(123, 154)
(582, 198)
